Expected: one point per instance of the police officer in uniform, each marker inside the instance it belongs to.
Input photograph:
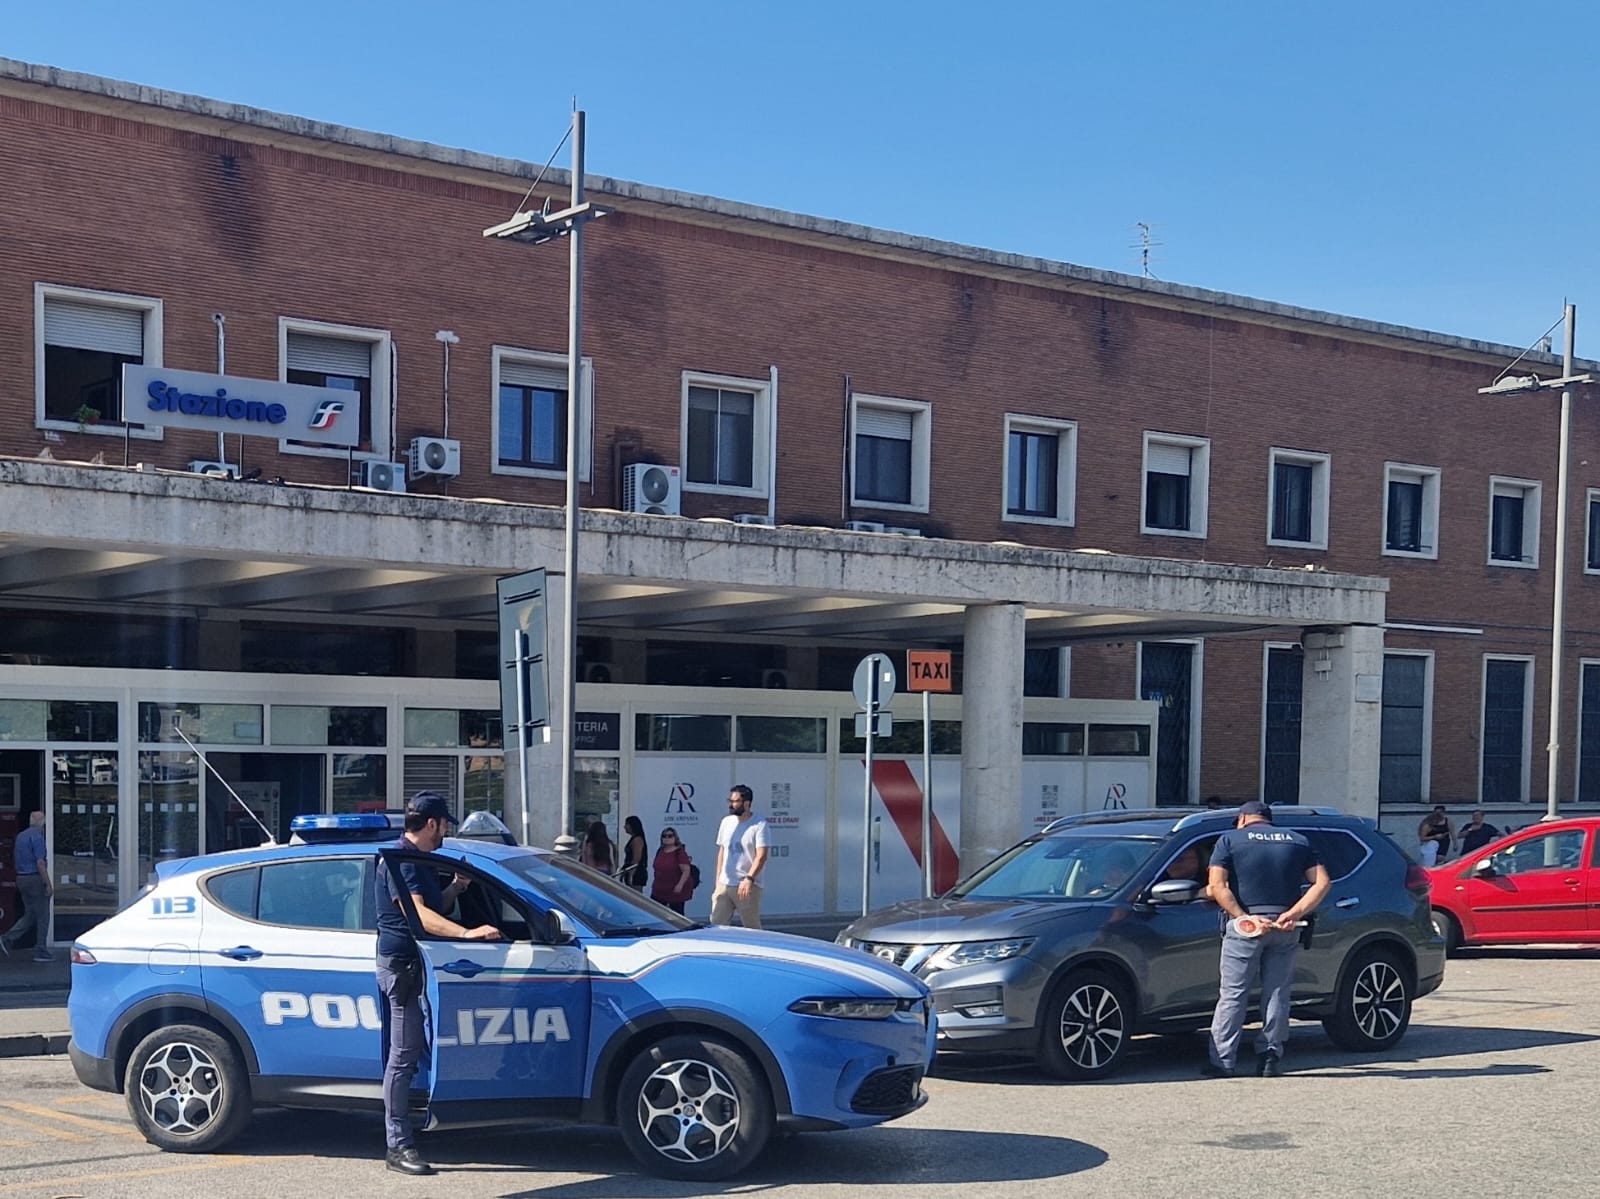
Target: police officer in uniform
(1259, 870)
(400, 978)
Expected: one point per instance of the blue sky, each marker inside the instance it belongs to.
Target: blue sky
(1396, 161)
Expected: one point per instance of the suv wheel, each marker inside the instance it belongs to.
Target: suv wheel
(186, 1089)
(1086, 1026)
(1373, 1006)
(694, 1108)
(1450, 929)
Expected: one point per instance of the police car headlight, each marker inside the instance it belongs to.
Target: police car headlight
(972, 953)
(846, 1009)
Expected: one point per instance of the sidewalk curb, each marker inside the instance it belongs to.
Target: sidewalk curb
(34, 1044)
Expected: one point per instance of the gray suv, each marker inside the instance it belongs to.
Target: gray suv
(1075, 940)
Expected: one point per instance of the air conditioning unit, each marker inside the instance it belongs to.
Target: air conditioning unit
(776, 680)
(753, 518)
(384, 476)
(217, 470)
(865, 526)
(435, 456)
(902, 531)
(653, 488)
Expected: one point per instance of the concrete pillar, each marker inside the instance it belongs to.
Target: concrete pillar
(1341, 710)
(991, 731)
(543, 759)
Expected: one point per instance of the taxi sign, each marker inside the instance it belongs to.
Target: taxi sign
(928, 670)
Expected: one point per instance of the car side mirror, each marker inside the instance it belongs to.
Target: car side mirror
(558, 929)
(1174, 890)
(1483, 868)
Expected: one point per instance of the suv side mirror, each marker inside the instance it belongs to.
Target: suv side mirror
(1174, 890)
(1483, 868)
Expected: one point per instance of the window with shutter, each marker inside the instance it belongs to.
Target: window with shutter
(85, 346)
(889, 453)
(346, 363)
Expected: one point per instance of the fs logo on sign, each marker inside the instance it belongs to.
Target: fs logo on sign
(327, 412)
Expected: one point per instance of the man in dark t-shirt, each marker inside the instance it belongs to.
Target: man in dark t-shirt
(1258, 870)
(399, 965)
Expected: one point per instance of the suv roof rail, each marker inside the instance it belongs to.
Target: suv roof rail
(1297, 809)
(1107, 816)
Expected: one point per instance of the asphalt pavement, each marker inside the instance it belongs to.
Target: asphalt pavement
(33, 1004)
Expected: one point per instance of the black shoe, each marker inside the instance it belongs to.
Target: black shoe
(407, 1161)
(1269, 1065)
(1212, 1070)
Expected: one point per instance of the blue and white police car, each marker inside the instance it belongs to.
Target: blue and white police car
(245, 979)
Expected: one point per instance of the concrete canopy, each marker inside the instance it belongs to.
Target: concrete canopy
(85, 535)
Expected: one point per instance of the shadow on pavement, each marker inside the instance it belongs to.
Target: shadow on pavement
(886, 1154)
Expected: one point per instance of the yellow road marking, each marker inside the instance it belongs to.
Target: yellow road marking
(103, 1127)
(43, 1183)
(33, 1126)
(102, 1099)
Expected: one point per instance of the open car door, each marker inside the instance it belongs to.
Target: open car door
(510, 1018)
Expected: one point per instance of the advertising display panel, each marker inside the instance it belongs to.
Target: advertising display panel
(896, 871)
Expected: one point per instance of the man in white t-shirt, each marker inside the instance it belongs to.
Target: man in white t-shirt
(741, 859)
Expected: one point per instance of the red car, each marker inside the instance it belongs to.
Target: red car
(1540, 884)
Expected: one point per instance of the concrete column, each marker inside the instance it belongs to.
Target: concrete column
(1341, 710)
(991, 731)
(544, 760)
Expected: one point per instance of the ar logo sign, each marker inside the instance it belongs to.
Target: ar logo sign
(680, 799)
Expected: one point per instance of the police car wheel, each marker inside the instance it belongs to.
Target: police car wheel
(1449, 928)
(694, 1108)
(186, 1089)
(1374, 1003)
(1087, 1023)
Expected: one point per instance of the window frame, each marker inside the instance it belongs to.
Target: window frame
(761, 433)
(1066, 435)
(1425, 791)
(543, 360)
(1267, 648)
(921, 413)
(150, 306)
(1591, 501)
(1321, 465)
(1199, 483)
(1431, 478)
(1527, 721)
(1532, 508)
(381, 345)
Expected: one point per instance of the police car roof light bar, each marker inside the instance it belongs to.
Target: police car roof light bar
(177, 727)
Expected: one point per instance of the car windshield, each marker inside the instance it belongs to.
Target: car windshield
(603, 904)
(1060, 867)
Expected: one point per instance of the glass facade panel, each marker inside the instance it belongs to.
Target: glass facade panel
(360, 782)
(782, 734)
(432, 728)
(485, 789)
(1119, 740)
(204, 724)
(169, 809)
(83, 849)
(83, 720)
(1043, 740)
(683, 734)
(24, 719)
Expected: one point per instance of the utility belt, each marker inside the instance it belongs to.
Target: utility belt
(408, 977)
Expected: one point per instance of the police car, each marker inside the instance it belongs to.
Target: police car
(245, 979)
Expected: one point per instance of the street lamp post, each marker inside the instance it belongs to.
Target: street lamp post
(536, 228)
(1517, 385)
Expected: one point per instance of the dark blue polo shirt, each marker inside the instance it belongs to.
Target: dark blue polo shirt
(394, 934)
(1266, 866)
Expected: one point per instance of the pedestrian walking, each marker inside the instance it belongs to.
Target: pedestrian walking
(1256, 875)
(674, 872)
(635, 855)
(1477, 834)
(399, 966)
(1434, 835)
(32, 861)
(741, 861)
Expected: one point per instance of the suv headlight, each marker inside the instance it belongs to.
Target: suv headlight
(972, 953)
(846, 1009)
(844, 941)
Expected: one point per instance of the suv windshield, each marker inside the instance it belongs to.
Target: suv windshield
(605, 905)
(1060, 867)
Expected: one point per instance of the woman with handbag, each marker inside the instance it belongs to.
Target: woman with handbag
(674, 884)
(635, 870)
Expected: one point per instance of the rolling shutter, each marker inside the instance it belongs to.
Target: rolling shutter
(1164, 459)
(529, 374)
(890, 423)
(103, 327)
(330, 355)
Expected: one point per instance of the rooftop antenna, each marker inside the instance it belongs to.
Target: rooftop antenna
(177, 727)
(1144, 245)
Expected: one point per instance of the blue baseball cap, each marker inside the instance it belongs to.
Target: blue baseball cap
(430, 805)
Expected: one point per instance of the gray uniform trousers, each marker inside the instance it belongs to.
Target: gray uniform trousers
(405, 1036)
(1271, 955)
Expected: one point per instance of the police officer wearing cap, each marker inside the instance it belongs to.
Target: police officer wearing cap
(400, 977)
(1259, 870)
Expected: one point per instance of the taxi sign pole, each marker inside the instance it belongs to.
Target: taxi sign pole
(927, 796)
